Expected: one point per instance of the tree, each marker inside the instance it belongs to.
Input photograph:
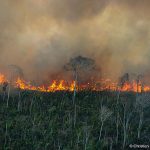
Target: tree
(105, 113)
(126, 118)
(14, 72)
(142, 101)
(76, 65)
(124, 79)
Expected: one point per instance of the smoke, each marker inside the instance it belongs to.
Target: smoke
(41, 36)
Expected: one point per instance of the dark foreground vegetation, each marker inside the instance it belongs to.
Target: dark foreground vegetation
(96, 121)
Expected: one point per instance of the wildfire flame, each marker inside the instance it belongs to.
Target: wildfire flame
(55, 86)
(2, 78)
(62, 85)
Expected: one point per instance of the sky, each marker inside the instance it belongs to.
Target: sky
(40, 36)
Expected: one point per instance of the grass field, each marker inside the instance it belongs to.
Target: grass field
(97, 121)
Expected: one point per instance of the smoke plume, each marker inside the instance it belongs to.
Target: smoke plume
(40, 36)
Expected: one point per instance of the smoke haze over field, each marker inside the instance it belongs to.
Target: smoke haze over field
(42, 35)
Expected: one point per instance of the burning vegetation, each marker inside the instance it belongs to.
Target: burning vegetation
(78, 65)
(83, 80)
(63, 85)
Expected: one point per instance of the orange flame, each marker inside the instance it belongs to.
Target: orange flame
(55, 86)
(62, 85)
(2, 79)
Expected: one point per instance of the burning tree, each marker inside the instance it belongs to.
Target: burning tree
(78, 64)
(124, 79)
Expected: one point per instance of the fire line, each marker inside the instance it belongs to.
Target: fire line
(62, 85)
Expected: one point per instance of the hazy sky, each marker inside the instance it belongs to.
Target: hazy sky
(42, 35)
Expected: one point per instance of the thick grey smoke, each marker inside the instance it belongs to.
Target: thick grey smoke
(40, 36)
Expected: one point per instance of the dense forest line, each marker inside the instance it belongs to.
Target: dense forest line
(95, 121)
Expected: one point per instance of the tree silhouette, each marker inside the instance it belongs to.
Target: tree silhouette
(76, 65)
